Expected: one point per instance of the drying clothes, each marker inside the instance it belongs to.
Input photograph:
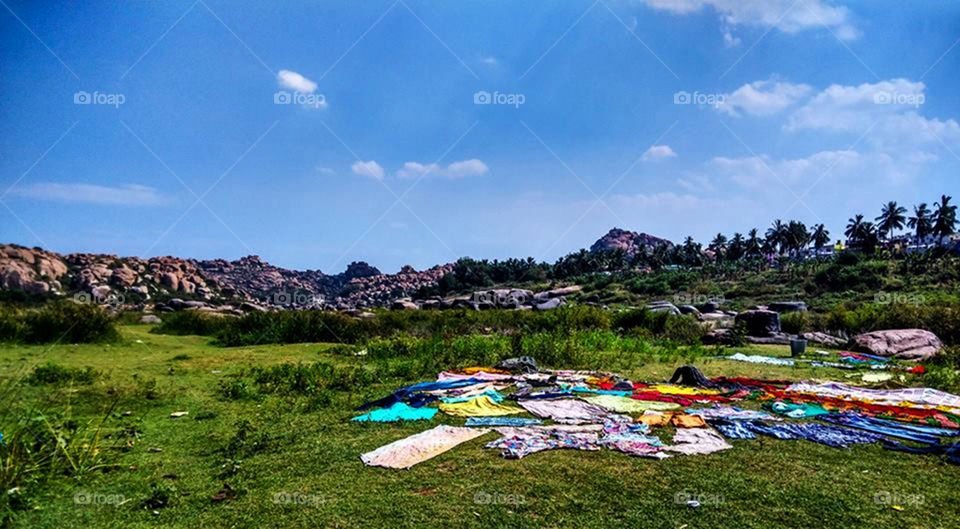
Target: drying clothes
(952, 451)
(677, 419)
(420, 447)
(660, 397)
(696, 441)
(501, 421)
(494, 395)
(750, 383)
(880, 427)
(483, 406)
(732, 429)
(483, 376)
(918, 428)
(729, 412)
(549, 393)
(867, 408)
(924, 396)
(402, 393)
(835, 436)
(627, 405)
(631, 438)
(876, 377)
(758, 359)
(581, 389)
(681, 390)
(522, 442)
(569, 411)
(816, 363)
(798, 411)
(397, 412)
(475, 370)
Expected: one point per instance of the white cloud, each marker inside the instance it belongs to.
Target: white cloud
(123, 195)
(763, 98)
(489, 60)
(788, 16)
(658, 152)
(294, 81)
(371, 169)
(888, 109)
(461, 169)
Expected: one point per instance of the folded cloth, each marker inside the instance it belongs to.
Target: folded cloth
(397, 412)
(695, 441)
(420, 447)
(501, 421)
(482, 406)
(569, 411)
(619, 404)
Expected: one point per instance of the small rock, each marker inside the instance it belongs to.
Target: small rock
(178, 414)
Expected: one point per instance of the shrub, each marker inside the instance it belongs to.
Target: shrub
(795, 322)
(60, 321)
(51, 373)
(187, 322)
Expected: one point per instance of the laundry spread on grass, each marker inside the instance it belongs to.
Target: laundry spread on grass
(691, 416)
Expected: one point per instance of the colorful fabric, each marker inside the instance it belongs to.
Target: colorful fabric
(758, 359)
(677, 419)
(901, 397)
(501, 421)
(483, 406)
(733, 429)
(405, 392)
(567, 411)
(522, 442)
(729, 412)
(397, 412)
(494, 395)
(627, 405)
(882, 427)
(835, 436)
(420, 447)
(696, 441)
(798, 411)
(631, 438)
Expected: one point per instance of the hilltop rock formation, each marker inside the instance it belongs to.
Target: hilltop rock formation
(630, 242)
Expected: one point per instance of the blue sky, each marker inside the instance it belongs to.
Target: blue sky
(315, 134)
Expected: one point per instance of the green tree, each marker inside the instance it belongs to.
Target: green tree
(945, 217)
(891, 218)
(921, 221)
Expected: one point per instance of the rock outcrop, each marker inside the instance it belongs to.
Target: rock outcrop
(630, 242)
(760, 323)
(901, 344)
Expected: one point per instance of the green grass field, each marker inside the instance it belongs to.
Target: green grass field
(307, 451)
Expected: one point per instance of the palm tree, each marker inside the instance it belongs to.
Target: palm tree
(719, 245)
(820, 236)
(854, 228)
(868, 237)
(797, 237)
(921, 221)
(736, 248)
(945, 217)
(891, 218)
(776, 235)
(753, 243)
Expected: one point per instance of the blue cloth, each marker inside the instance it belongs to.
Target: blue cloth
(494, 395)
(501, 421)
(402, 394)
(913, 427)
(835, 436)
(878, 427)
(732, 429)
(397, 412)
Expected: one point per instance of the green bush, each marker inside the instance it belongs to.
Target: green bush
(55, 374)
(60, 321)
(187, 322)
(796, 322)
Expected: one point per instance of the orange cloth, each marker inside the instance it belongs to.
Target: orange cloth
(680, 420)
(473, 370)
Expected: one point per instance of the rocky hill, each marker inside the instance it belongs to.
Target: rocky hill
(249, 281)
(629, 241)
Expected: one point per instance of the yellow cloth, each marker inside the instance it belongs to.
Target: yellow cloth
(627, 405)
(474, 370)
(479, 407)
(681, 390)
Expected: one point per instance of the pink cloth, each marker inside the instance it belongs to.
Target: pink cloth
(479, 375)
